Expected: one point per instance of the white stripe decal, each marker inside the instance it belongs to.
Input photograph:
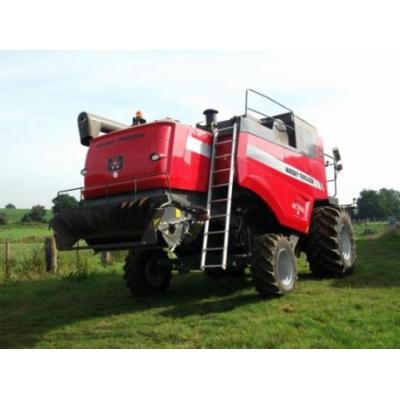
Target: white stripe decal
(263, 157)
(197, 146)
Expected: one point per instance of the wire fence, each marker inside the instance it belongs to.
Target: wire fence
(25, 258)
(368, 228)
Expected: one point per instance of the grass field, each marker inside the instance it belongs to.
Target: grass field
(15, 231)
(94, 309)
(24, 233)
(15, 214)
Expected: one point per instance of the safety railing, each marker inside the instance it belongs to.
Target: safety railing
(332, 162)
(107, 188)
(247, 107)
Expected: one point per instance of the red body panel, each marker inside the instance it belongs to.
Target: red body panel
(287, 180)
(178, 167)
(290, 198)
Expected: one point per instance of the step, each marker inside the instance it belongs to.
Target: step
(215, 232)
(224, 142)
(212, 266)
(223, 155)
(214, 249)
(221, 170)
(220, 185)
(219, 201)
(226, 128)
(218, 216)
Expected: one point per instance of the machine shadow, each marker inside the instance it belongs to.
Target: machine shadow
(40, 306)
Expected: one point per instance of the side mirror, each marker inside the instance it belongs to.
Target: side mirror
(336, 154)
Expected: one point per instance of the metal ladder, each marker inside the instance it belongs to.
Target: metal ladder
(225, 218)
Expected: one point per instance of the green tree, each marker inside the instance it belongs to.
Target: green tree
(10, 206)
(3, 219)
(368, 205)
(389, 201)
(378, 204)
(62, 202)
(36, 214)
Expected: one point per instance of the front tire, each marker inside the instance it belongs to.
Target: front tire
(273, 265)
(143, 273)
(331, 245)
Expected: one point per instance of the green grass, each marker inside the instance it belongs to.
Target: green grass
(24, 233)
(15, 231)
(15, 214)
(96, 311)
(371, 229)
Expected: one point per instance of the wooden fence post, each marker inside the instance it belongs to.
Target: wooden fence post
(7, 254)
(106, 258)
(51, 255)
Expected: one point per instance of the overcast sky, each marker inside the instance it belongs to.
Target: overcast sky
(353, 99)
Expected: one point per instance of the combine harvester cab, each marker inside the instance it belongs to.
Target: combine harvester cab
(249, 191)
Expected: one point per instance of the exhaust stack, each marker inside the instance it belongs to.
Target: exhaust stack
(91, 125)
(211, 116)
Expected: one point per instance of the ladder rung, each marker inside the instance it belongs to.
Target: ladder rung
(215, 232)
(223, 142)
(214, 249)
(218, 216)
(212, 266)
(223, 155)
(221, 170)
(220, 185)
(225, 129)
(218, 201)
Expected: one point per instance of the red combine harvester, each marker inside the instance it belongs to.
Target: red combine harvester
(222, 195)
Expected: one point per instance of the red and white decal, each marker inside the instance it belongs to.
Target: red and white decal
(197, 146)
(265, 158)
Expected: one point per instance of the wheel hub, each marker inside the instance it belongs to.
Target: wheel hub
(345, 243)
(154, 273)
(285, 267)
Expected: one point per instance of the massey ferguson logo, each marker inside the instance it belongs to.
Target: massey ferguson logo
(115, 163)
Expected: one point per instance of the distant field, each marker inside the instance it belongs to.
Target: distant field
(24, 233)
(15, 215)
(15, 231)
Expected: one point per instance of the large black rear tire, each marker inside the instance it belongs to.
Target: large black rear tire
(273, 265)
(144, 274)
(331, 247)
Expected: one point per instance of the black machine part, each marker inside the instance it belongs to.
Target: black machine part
(211, 116)
(150, 220)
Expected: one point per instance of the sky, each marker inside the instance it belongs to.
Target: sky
(352, 98)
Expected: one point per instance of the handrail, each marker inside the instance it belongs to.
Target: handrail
(113, 184)
(247, 108)
(335, 174)
(265, 96)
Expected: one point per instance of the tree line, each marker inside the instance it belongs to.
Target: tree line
(37, 213)
(378, 204)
